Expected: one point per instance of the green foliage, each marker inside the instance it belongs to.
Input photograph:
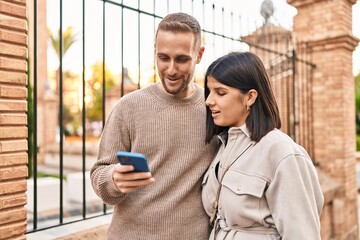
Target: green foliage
(45, 174)
(357, 113)
(357, 92)
(69, 38)
(71, 119)
(357, 103)
(94, 108)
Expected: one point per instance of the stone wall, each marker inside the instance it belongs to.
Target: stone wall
(13, 118)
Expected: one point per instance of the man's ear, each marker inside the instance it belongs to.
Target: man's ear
(200, 54)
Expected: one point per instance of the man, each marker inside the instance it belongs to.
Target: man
(164, 121)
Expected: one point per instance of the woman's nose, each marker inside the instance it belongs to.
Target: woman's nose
(209, 101)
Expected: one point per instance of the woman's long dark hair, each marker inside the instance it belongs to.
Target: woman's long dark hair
(245, 71)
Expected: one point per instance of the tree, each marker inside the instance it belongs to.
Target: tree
(357, 102)
(94, 90)
(69, 38)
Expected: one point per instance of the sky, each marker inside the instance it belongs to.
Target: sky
(249, 12)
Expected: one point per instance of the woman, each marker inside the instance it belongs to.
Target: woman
(261, 184)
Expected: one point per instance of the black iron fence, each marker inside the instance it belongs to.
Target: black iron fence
(290, 67)
(78, 94)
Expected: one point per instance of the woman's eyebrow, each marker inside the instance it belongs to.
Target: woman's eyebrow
(220, 88)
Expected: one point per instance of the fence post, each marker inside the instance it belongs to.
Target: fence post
(326, 28)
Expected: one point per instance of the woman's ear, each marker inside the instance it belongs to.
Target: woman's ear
(252, 95)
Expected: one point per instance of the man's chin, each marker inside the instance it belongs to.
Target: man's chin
(173, 90)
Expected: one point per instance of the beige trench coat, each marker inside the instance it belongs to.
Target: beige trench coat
(271, 190)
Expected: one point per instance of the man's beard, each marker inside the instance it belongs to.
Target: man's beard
(177, 90)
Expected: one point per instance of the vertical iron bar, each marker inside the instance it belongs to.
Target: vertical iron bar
(311, 106)
(240, 27)
(307, 112)
(103, 81)
(223, 31)
(288, 110)
(203, 21)
(122, 51)
(192, 7)
(203, 33)
(35, 119)
(83, 113)
(294, 93)
(203, 9)
(104, 63)
(139, 47)
(61, 112)
(154, 27)
(213, 31)
(232, 28)
(300, 104)
(303, 92)
(312, 149)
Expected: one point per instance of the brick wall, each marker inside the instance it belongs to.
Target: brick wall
(13, 119)
(326, 26)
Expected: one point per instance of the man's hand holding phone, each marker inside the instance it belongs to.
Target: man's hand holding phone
(132, 172)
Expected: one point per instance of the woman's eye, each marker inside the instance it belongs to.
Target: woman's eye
(221, 93)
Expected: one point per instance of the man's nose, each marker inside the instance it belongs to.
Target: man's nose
(172, 69)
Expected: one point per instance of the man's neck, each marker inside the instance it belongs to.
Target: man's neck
(187, 92)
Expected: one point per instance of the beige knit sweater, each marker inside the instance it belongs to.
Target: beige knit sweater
(170, 132)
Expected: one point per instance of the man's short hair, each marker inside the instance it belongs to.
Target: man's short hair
(181, 22)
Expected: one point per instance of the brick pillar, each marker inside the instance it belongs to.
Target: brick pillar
(13, 119)
(326, 26)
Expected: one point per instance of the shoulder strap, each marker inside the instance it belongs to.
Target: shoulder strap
(215, 204)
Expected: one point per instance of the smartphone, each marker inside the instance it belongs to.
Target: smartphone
(138, 160)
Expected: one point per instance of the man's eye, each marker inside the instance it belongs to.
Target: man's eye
(182, 60)
(163, 58)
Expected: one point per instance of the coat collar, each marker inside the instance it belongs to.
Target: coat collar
(223, 136)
